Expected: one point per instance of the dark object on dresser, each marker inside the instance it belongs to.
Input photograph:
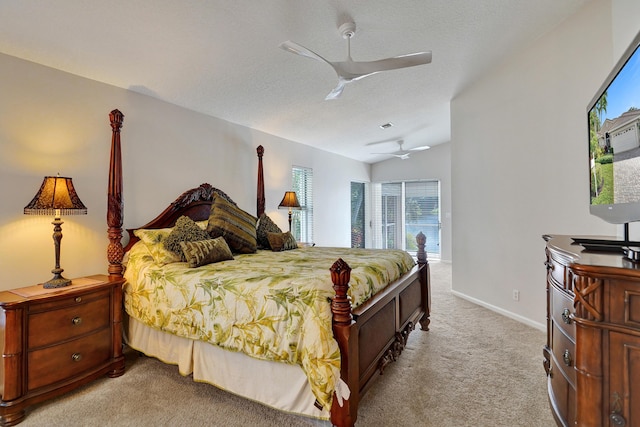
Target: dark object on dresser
(592, 354)
(55, 340)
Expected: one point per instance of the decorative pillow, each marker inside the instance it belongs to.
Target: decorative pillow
(204, 252)
(203, 224)
(265, 225)
(154, 240)
(185, 230)
(236, 226)
(281, 241)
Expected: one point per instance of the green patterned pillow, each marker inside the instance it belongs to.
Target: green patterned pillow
(236, 226)
(282, 241)
(186, 230)
(265, 225)
(154, 240)
(204, 252)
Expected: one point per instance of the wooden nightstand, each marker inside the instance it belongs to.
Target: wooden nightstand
(54, 340)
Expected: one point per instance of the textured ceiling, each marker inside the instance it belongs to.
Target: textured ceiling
(221, 58)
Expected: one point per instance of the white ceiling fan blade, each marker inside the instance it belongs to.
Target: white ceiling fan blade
(424, 147)
(399, 154)
(352, 70)
(337, 91)
(297, 49)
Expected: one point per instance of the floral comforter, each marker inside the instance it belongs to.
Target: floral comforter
(269, 305)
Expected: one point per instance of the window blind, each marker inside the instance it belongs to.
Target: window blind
(302, 221)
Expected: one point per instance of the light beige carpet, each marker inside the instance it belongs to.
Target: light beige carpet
(473, 368)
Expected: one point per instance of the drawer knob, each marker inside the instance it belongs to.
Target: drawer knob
(566, 316)
(616, 418)
(78, 299)
(76, 320)
(566, 358)
(76, 357)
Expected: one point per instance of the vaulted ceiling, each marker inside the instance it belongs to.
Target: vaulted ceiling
(221, 58)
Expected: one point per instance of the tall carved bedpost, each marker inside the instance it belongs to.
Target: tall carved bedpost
(345, 331)
(425, 279)
(115, 252)
(260, 193)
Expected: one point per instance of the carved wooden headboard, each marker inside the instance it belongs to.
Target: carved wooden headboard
(195, 203)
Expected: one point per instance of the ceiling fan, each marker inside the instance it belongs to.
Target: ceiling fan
(403, 154)
(349, 70)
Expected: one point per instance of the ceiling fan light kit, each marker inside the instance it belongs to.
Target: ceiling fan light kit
(349, 70)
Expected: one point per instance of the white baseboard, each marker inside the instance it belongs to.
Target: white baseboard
(502, 311)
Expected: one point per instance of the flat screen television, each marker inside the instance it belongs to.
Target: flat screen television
(614, 142)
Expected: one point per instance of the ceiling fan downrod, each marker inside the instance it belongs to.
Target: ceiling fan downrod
(348, 30)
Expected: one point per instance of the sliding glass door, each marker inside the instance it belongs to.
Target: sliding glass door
(402, 210)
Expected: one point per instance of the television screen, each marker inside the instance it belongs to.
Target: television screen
(614, 142)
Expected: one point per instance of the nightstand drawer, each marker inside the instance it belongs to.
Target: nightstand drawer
(50, 365)
(74, 318)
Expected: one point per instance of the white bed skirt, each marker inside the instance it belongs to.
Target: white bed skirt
(280, 385)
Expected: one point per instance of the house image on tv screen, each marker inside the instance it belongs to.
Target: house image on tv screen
(622, 133)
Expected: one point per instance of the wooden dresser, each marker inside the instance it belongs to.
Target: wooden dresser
(592, 354)
(54, 340)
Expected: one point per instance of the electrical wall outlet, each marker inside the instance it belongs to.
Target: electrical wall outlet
(516, 295)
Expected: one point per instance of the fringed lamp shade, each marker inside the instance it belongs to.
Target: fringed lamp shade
(56, 197)
(289, 201)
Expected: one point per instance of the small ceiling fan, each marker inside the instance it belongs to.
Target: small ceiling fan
(349, 70)
(404, 154)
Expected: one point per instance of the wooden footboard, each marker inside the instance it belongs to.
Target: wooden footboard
(375, 334)
(370, 336)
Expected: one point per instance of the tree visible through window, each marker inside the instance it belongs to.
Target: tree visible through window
(357, 215)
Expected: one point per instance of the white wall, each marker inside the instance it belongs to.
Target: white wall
(53, 122)
(432, 164)
(519, 142)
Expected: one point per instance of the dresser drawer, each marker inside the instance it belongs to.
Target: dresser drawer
(67, 319)
(562, 394)
(563, 351)
(557, 271)
(50, 365)
(561, 307)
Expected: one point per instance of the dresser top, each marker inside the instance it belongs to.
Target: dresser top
(564, 248)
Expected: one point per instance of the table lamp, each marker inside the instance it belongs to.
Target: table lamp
(290, 201)
(56, 197)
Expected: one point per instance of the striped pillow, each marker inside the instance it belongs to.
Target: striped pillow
(236, 226)
(282, 241)
(203, 252)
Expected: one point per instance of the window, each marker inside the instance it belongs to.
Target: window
(402, 210)
(302, 221)
(357, 215)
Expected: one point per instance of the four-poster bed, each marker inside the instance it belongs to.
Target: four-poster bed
(368, 336)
